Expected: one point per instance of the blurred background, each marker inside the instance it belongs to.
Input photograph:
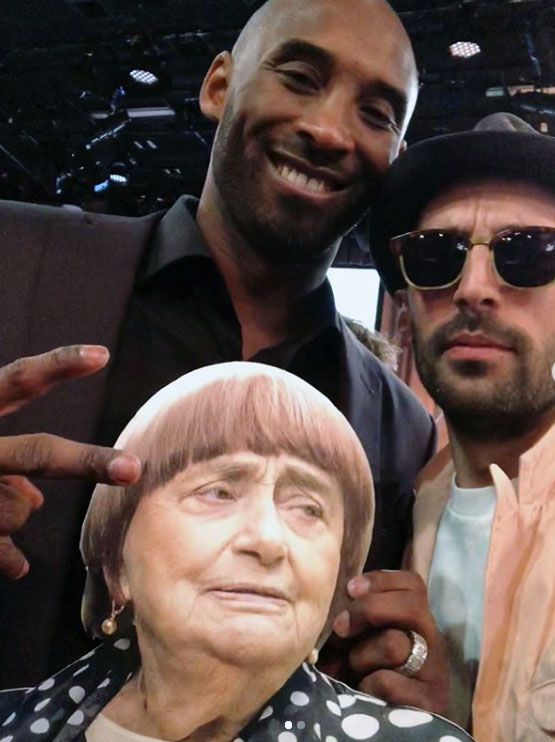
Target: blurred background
(98, 101)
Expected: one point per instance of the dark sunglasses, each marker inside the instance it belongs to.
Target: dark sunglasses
(435, 258)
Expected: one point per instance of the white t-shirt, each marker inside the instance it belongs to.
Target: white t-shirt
(104, 730)
(456, 586)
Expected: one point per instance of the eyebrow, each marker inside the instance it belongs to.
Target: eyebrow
(306, 51)
(303, 478)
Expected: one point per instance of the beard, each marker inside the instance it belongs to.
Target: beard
(282, 229)
(475, 404)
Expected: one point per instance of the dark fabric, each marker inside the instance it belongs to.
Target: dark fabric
(460, 158)
(309, 707)
(121, 282)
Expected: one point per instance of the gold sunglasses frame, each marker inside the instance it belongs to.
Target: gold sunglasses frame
(395, 245)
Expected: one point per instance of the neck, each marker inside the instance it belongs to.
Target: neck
(192, 696)
(473, 457)
(267, 297)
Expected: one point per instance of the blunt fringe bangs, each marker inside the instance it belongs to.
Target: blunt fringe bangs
(266, 415)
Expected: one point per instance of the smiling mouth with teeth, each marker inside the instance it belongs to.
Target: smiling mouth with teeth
(295, 177)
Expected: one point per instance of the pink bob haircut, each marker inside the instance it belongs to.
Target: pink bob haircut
(223, 409)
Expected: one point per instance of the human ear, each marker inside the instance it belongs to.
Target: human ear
(118, 586)
(403, 327)
(215, 86)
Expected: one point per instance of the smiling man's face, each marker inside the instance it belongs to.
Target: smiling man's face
(485, 350)
(315, 106)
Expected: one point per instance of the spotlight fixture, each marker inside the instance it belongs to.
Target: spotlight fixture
(464, 49)
(143, 77)
(119, 174)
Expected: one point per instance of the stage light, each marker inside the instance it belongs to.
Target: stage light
(143, 77)
(464, 49)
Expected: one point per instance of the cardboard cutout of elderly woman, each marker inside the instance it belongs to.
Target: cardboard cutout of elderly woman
(214, 578)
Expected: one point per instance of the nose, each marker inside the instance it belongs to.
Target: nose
(479, 286)
(261, 532)
(325, 123)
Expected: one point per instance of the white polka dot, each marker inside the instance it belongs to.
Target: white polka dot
(360, 726)
(76, 693)
(371, 699)
(318, 731)
(268, 711)
(553, 371)
(448, 738)
(299, 699)
(40, 726)
(7, 739)
(46, 684)
(288, 725)
(333, 707)
(237, 739)
(89, 654)
(301, 725)
(80, 670)
(9, 720)
(330, 738)
(345, 700)
(42, 704)
(122, 644)
(105, 683)
(405, 718)
(287, 737)
(77, 717)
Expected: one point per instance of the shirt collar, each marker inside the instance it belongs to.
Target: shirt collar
(176, 236)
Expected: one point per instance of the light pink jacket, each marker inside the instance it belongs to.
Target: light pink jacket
(514, 698)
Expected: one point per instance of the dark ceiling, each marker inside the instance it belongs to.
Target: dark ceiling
(69, 110)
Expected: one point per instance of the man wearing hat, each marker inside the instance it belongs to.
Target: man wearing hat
(464, 236)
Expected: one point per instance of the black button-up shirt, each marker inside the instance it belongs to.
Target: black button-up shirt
(181, 317)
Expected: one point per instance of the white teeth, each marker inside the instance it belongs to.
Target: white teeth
(301, 180)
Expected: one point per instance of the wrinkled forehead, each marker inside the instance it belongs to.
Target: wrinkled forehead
(490, 205)
(363, 34)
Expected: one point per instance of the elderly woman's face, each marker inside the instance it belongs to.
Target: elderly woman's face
(237, 556)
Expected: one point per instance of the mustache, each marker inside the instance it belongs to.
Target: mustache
(476, 322)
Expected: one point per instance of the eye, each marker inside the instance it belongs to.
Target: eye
(300, 78)
(379, 116)
(215, 492)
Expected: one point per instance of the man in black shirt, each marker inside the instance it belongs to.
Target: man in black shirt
(308, 120)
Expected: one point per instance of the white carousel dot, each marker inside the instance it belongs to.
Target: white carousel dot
(360, 726)
(406, 718)
(268, 711)
(288, 725)
(9, 720)
(77, 718)
(76, 693)
(42, 704)
(7, 739)
(122, 644)
(372, 699)
(80, 670)
(318, 731)
(333, 707)
(345, 700)
(331, 738)
(301, 725)
(105, 683)
(46, 684)
(40, 726)
(299, 698)
(88, 655)
(237, 739)
(445, 738)
(287, 737)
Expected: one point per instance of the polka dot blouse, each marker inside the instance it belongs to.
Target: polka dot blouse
(309, 707)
